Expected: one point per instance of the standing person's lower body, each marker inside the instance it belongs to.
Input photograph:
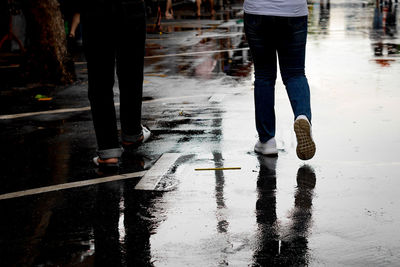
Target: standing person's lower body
(114, 35)
(269, 36)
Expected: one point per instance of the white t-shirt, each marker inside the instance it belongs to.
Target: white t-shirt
(280, 8)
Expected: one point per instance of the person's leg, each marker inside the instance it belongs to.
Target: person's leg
(198, 4)
(130, 60)
(291, 53)
(212, 10)
(100, 56)
(259, 32)
(169, 14)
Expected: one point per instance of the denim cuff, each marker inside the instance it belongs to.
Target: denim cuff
(110, 153)
(131, 138)
(264, 139)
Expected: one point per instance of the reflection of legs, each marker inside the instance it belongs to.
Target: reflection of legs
(268, 243)
(259, 31)
(223, 224)
(106, 236)
(266, 187)
(294, 250)
(139, 222)
(306, 181)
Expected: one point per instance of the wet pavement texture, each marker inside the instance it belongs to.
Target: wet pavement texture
(339, 209)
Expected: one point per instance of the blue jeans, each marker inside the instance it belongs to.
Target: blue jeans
(286, 37)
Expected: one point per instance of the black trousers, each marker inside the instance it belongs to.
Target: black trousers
(114, 34)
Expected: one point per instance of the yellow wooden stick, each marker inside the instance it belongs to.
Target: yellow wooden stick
(217, 169)
(155, 74)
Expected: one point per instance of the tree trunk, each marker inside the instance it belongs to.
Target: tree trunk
(48, 59)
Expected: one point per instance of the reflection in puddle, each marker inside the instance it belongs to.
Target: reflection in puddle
(324, 15)
(276, 246)
(384, 27)
(389, 49)
(384, 62)
(196, 48)
(319, 17)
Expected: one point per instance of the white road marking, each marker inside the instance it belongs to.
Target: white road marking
(198, 53)
(216, 98)
(10, 66)
(56, 111)
(159, 169)
(71, 185)
(66, 110)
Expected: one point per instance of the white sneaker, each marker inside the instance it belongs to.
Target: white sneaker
(146, 133)
(305, 144)
(145, 136)
(267, 148)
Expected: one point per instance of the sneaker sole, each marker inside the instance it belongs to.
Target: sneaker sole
(305, 145)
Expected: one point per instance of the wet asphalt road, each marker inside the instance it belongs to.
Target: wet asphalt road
(339, 209)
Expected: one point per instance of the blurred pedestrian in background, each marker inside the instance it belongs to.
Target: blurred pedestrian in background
(76, 19)
(169, 13)
(279, 28)
(114, 33)
(198, 4)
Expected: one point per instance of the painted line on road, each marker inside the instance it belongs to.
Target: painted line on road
(198, 53)
(200, 36)
(46, 112)
(216, 98)
(28, 114)
(194, 53)
(218, 169)
(149, 179)
(67, 110)
(10, 66)
(159, 169)
(58, 187)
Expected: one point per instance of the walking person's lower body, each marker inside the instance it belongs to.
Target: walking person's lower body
(198, 5)
(285, 37)
(169, 13)
(114, 36)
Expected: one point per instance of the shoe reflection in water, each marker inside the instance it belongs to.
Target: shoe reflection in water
(277, 246)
